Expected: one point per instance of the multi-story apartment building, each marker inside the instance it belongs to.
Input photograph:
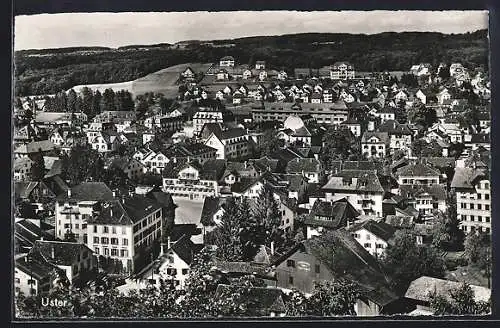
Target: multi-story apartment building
(361, 188)
(417, 174)
(230, 143)
(189, 180)
(72, 209)
(324, 113)
(472, 188)
(342, 71)
(125, 230)
(206, 115)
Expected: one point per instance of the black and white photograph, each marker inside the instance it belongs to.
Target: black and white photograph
(251, 165)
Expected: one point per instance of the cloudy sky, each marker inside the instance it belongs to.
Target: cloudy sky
(119, 29)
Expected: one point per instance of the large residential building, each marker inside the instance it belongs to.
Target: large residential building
(417, 174)
(361, 188)
(230, 143)
(342, 71)
(189, 180)
(374, 144)
(125, 231)
(76, 206)
(324, 113)
(472, 187)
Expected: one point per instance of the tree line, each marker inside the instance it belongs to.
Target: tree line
(379, 52)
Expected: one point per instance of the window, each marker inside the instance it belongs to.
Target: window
(84, 225)
(104, 240)
(106, 251)
(125, 242)
(114, 252)
(487, 219)
(472, 218)
(486, 196)
(316, 268)
(367, 245)
(114, 241)
(113, 230)
(77, 226)
(290, 280)
(367, 237)
(124, 230)
(124, 253)
(95, 229)
(105, 229)
(480, 218)
(478, 196)
(18, 280)
(487, 207)
(479, 206)
(185, 271)
(290, 263)
(96, 250)
(96, 240)
(471, 206)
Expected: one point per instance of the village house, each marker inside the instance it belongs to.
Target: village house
(188, 73)
(123, 230)
(400, 136)
(208, 115)
(373, 236)
(105, 141)
(227, 61)
(421, 69)
(129, 166)
(417, 174)
(375, 144)
(45, 147)
(33, 276)
(361, 188)
(195, 151)
(425, 199)
(76, 259)
(329, 215)
(153, 161)
(305, 263)
(353, 125)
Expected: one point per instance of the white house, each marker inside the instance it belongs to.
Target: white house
(373, 236)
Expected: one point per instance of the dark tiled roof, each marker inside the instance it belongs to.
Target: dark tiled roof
(28, 232)
(394, 127)
(346, 258)
(339, 212)
(35, 267)
(382, 136)
(417, 169)
(185, 249)
(397, 221)
(88, 191)
(257, 269)
(380, 229)
(210, 207)
(355, 180)
(215, 167)
(65, 253)
(438, 192)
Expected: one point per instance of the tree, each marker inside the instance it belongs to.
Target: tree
(460, 301)
(107, 101)
(271, 142)
(420, 114)
(444, 73)
(83, 163)
(338, 144)
(169, 217)
(267, 218)
(446, 233)
(422, 148)
(333, 298)
(409, 80)
(227, 236)
(477, 247)
(72, 100)
(38, 167)
(406, 261)
(96, 103)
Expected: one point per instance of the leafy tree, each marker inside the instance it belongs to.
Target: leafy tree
(444, 73)
(422, 148)
(406, 261)
(227, 236)
(409, 80)
(107, 101)
(96, 103)
(425, 116)
(271, 142)
(38, 167)
(267, 217)
(115, 178)
(446, 231)
(460, 301)
(338, 144)
(83, 163)
(478, 250)
(72, 100)
(333, 298)
(169, 217)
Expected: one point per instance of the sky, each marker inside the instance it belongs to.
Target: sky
(119, 29)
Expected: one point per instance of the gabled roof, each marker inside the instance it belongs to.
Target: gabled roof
(421, 288)
(400, 222)
(59, 252)
(380, 229)
(88, 191)
(338, 212)
(381, 136)
(417, 169)
(37, 268)
(185, 249)
(437, 192)
(346, 258)
(28, 233)
(355, 180)
(394, 127)
(34, 146)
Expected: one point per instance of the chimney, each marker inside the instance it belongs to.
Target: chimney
(41, 238)
(272, 248)
(69, 192)
(53, 253)
(114, 194)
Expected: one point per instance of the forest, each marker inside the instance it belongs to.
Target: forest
(48, 71)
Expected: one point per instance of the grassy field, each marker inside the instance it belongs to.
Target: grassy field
(163, 81)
